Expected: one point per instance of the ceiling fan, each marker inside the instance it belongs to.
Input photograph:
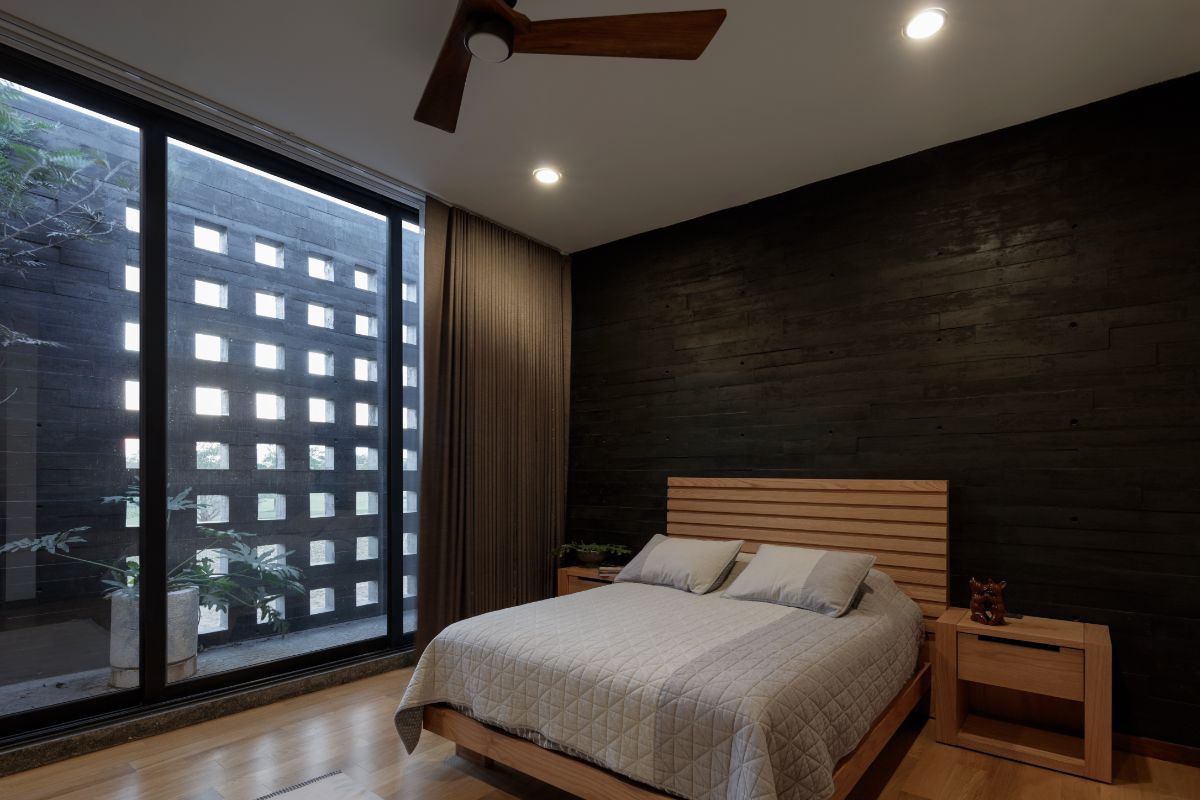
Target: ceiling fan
(492, 30)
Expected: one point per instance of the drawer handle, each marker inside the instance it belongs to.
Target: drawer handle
(1053, 648)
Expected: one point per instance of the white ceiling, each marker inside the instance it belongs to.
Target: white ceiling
(789, 92)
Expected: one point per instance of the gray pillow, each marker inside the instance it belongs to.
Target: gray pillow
(694, 565)
(825, 581)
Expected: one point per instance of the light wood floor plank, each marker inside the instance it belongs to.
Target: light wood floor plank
(349, 728)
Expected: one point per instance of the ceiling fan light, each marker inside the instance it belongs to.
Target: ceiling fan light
(489, 39)
(926, 23)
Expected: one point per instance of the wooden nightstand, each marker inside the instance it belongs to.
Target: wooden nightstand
(580, 579)
(1035, 690)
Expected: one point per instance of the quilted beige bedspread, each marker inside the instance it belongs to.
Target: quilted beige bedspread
(699, 696)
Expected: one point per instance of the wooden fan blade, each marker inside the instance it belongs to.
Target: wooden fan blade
(671, 34)
(443, 95)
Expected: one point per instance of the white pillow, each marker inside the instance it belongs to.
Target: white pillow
(739, 566)
(825, 581)
(694, 565)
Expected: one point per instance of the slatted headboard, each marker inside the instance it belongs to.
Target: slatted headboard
(901, 523)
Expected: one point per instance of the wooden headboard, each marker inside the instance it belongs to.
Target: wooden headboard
(901, 523)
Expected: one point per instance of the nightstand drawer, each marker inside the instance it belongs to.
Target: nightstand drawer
(1029, 667)
(577, 584)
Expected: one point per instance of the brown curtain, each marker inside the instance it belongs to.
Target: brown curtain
(494, 452)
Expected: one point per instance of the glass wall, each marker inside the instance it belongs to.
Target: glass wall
(173, 317)
(278, 415)
(69, 401)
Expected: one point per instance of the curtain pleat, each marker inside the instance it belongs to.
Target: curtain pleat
(494, 449)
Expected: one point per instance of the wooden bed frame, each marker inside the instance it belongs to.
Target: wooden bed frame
(901, 522)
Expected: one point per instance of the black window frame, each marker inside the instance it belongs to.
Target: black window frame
(157, 125)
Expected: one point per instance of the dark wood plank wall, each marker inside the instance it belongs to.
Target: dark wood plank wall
(1018, 313)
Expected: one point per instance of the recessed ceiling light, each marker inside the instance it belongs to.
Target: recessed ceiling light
(547, 175)
(925, 23)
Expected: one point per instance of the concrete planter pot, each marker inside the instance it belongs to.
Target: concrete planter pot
(183, 622)
(590, 558)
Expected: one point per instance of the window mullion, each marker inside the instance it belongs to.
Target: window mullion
(153, 457)
(393, 434)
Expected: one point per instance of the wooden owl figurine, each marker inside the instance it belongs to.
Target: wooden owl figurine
(987, 601)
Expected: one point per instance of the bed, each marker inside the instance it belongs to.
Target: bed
(640, 691)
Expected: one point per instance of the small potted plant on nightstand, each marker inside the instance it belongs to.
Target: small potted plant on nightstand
(591, 554)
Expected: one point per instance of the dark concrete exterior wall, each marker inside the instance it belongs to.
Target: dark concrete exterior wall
(64, 421)
(1018, 313)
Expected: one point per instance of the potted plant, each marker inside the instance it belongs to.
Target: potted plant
(590, 554)
(253, 580)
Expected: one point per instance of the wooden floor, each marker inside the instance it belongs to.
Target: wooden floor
(349, 728)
